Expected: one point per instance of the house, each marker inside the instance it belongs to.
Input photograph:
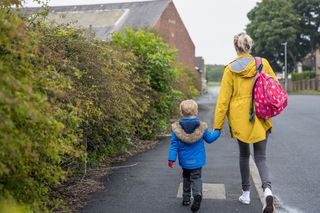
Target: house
(201, 68)
(105, 19)
(309, 62)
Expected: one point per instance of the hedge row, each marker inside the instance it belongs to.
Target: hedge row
(67, 99)
(303, 75)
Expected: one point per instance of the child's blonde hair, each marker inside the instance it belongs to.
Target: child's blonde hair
(188, 108)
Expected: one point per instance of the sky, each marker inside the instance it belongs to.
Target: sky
(210, 23)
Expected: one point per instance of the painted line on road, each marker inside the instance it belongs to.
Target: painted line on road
(256, 178)
(210, 191)
(257, 183)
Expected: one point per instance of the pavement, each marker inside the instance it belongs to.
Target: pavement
(294, 155)
(144, 184)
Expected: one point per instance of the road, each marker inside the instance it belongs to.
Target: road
(294, 155)
(151, 187)
(293, 159)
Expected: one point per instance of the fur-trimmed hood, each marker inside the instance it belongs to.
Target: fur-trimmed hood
(193, 137)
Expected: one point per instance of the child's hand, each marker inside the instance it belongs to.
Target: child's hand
(217, 133)
(170, 164)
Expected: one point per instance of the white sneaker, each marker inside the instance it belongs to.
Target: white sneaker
(268, 201)
(245, 197)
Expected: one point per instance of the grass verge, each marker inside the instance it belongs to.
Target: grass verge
(213, 83)
(305, 92)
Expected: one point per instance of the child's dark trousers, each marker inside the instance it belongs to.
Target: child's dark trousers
(191, 182)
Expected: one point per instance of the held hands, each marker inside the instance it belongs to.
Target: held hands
(170, 164)
(217, 133)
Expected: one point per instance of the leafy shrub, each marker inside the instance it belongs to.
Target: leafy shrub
(303, 75)
(187, 82)
(34, 135)
(157, 60)
(106, 85)
(9, 205)
(66, 98)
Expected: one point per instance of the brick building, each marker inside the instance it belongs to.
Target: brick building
(105, 19)
(201, 68)
(170, 26)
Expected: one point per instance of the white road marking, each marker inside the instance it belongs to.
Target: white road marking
(209, 190)
(256, 178)
(280, 208)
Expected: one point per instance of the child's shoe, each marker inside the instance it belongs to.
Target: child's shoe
(186, 199)
(268, 201)
(196, 203)
(186, 202)
(245, 197)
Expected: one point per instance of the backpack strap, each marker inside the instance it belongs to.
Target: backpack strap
(259, 67)
(259, 64)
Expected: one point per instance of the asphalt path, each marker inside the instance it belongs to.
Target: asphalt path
(294, 155)
(147, 185)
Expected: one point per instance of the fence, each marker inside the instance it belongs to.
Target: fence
(306, 84)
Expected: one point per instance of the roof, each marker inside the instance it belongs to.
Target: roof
(104, 19)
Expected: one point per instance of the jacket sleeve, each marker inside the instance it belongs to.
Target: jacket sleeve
(173, 151)
(268, 69)
(224, 98)
(210, 137)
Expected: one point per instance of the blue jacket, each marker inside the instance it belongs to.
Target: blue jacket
(187, 142)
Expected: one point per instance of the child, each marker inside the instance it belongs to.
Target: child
(187, 141)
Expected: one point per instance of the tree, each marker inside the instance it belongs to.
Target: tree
(273, 22)
(309, 26)
(214, 72)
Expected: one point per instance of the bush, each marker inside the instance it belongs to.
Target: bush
(107, 86)
(156, 59)
(187, 82)
(9, 205)
(303, 75)
(35, 135)
(66, 98)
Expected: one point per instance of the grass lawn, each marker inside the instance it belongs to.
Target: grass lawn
(305, 92)
(213, 83)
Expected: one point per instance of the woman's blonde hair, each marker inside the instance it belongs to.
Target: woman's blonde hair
(243, 43)
(188, 108)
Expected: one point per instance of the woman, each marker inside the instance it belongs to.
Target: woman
(234, 102)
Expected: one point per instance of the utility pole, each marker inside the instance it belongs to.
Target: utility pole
(285, 44)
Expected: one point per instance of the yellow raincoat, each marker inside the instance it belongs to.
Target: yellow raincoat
(234, 100)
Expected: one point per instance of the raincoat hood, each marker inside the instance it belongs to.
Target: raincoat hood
(189, 125)
(189, 130)
(244, 66)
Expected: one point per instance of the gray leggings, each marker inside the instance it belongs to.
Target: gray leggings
(259, 158)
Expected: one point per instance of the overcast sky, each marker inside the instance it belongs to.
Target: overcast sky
(211, 23)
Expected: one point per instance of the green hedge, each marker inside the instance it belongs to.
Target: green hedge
(36, 135)
(67, 99)
(156, 66)
(303, 75)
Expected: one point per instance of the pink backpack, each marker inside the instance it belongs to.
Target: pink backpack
(268, 97)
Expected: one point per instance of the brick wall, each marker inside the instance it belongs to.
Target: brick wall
(172, 28)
